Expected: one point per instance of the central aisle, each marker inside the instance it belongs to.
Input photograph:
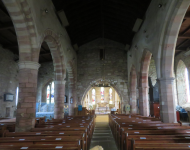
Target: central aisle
(102, 135)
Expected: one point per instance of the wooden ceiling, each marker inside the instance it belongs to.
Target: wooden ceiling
(8, 38)
(183, 41)
(88, 20)
(92, 19)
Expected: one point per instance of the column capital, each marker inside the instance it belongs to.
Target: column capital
(28, 65)
(166, 79)
(144, 87)
(60, 82)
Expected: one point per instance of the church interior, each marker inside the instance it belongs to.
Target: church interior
(95, 74)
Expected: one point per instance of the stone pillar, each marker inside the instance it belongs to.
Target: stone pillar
(26, 108)
(73, 96)
(143, 101)
(133, 102)
(167, 100)
(59, 96)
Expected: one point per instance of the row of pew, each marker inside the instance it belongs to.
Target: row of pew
(7, 124)
(70, 133)
(135, 132)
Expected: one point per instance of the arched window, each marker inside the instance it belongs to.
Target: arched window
(102, 94)
(17, 90)
(50, 93)
(110, 96)
(93, 96)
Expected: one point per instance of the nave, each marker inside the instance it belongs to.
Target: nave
(107, 132)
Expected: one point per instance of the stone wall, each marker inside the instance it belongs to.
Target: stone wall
(113, 68)
(8, 81)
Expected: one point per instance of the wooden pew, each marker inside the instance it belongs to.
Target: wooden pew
(69, 133)
(129, 141)
(161, 146)
(131, 132)
(40, 140)
(50, 133)
(29, 146)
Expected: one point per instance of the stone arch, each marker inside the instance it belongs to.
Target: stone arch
(24, 25)
(112, 85)
(181, 83)
(170, 39)
(167, 50)
(143, 83)
(133, 91)
(54, 44)
(52, 40)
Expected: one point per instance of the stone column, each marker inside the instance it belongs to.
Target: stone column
(26, 108)
(59, 96)
(143, 101)
(72, 94)
(133, 102)
(167, 100)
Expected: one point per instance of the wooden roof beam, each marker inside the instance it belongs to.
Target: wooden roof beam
(10, 46)
(187, 16)
(184, 36)
(6, 26)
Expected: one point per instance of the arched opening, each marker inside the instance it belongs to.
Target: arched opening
(170, 46)
(153, 93)
(102, 99)
(143, 82)
(50, 93)
(53, 83)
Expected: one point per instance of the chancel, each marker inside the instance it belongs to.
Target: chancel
(94, 74)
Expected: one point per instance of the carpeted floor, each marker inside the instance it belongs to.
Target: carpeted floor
(102, 134)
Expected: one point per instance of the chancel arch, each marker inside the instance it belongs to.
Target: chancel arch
(106, 96)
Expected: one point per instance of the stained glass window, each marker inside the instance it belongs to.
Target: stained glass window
(52, 92)
(93, 96)
(48, 94)
(17, 95)
(110, 96)
(102, 94)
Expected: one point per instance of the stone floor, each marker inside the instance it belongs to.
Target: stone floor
(102, 135)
